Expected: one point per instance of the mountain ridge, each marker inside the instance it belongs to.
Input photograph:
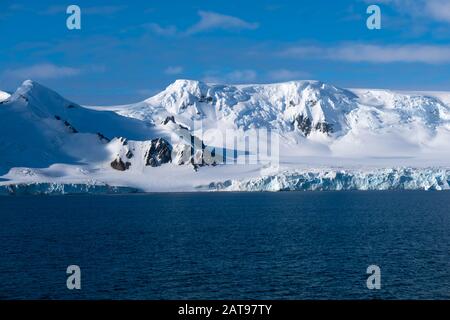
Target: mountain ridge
(56, 140)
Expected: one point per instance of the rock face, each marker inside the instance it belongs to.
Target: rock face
(67, 124)
(160, 152)
(129, 154)
(182, 154)
(138, 154)
(207, 99)
(305, 125)
(118, 164)
(169, 119)
(102, 137)
(324, 127)
(198, 156)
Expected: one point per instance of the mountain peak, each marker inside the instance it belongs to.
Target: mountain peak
(30, 88)
(43, 101)
(193, 86)
(4, 96)
(277, 105)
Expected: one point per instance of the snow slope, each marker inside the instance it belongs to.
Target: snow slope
(248, 106)
(278, 105)
(4, 96)
(48, 142)
(323, 119)
(39, 128)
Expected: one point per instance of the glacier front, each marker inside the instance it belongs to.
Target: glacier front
(337, 180)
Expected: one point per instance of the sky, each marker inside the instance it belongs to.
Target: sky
(127, 51)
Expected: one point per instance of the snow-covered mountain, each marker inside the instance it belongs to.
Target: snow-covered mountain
(39, 128)
(304, 106)
(4, 95)
(172, 140)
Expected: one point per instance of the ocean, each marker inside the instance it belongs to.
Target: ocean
(288, 245)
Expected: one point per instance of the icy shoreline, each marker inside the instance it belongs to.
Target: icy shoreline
(52, 188)
(322, 179)
(342, 180)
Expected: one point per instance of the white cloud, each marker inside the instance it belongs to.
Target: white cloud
(212, 20)
(251, 76)
(160, 30)
(242, 75)
(438, 10)
(102, 10)
(430, 54)
(95, 10)
(16, 7)
(41, 71)
(236, 76)
(54, 9)
(173, 70)
(208, 21)
(286, 75)
(8, 11)
(147, 92)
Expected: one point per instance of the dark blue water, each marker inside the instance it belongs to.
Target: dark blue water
(227, 246)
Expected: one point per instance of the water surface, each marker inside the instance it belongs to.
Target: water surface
(297, 245)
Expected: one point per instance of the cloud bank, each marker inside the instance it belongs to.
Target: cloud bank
(42, 71)
(411, 53)
(212, 20)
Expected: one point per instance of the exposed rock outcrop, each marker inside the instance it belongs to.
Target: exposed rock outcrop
(169, 119)
(102, 137)
(118, 164)
(67, 124)
(324, 127)
(305, 125)
(123, 141)
(207, 99)
(129, 154)
(160, 152)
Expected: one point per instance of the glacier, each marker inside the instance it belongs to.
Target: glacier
(340, 180)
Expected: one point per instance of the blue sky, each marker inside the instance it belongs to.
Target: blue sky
(128, 50)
